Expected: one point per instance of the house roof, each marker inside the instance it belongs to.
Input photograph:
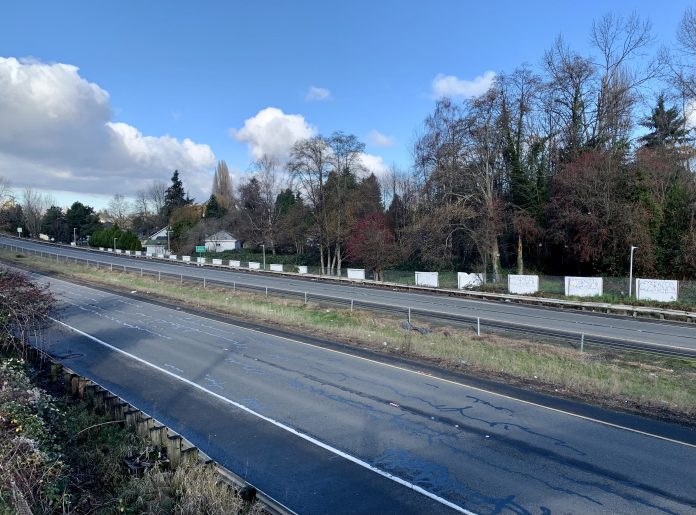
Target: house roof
(159, 235)
(221, 236)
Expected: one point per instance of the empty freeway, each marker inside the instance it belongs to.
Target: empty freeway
(323, 431)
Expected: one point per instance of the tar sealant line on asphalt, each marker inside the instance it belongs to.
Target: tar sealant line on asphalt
(280, 425)
(497, 394)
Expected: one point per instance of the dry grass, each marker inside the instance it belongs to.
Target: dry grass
(640, 382)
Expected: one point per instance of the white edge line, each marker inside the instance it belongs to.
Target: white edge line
(285, 427)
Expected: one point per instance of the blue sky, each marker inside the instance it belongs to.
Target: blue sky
(195, 70)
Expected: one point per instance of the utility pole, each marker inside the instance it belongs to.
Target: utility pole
(114, 244)
(263, 246)
(74, 233)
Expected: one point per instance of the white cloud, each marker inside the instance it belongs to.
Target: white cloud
(273, 133)
(317, 94)
(378, 139)
(57, 133)
(374, 164)
(451, 86)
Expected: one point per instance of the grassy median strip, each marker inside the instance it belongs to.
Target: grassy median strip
(657, 386)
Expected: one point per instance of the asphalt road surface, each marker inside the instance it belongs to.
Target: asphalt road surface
(678, 337)
(327, 432)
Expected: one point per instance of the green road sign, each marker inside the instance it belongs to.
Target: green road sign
(200, 248)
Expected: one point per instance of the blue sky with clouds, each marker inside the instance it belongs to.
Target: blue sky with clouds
(205, 74)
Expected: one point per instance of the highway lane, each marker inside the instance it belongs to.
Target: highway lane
(479, 451)
(651, 333)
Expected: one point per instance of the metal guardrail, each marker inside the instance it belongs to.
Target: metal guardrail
(575, 338)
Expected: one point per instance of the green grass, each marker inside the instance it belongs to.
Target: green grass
(647, 383)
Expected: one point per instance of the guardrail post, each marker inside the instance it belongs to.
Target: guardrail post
(182, 278)
(141, 272)
(478, 326)
(305, 298)
(582, 342)
(266, 291)
(159, 275)
(112, 267)
(234, 286)
(204, 282)
(351, 305)
(409, 315)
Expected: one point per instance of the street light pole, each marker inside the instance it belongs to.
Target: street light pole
(263, 246)
(169, 248)
(114, 244)
(630, 273)
(74, 235)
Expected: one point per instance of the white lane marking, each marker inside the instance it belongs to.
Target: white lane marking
(285, 427)
(449, 381)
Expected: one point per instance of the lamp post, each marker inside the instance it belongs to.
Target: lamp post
(74, 235)
(263, 246)
(115, 244)
(169, 248)
(630, 273)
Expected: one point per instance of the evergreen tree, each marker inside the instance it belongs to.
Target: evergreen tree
(175, 196)
(54, 225)
(213, 209)
(666, 126)
(83, 218)
(367, 197)
(284, 202)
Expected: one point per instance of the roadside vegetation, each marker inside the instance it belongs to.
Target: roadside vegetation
(637, 382)
(56, 456)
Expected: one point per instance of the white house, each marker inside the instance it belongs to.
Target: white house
(222, 241)
(156, 243)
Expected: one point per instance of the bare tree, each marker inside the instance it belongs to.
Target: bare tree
(309, 165)
(156, 194)
(6, 195)
(34, 205)
(222, 185)
(267, 175)
(619, 41)
(119, 210)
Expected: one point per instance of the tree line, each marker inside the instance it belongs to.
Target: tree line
(557, 168)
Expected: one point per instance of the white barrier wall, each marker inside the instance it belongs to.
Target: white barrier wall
(465, 280)
(301, 269)
(200, 260)
(110, 250)
(356, 273)
(523, 284)
(427, 279)
(186, 258)
(159, 256)
(656, 289)
(101, 248)
(217, 261)
(254, 265)
(235, 263)
(172, 257)
(584, 286)
(118, 251)
(276, 267)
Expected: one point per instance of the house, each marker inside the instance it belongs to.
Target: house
(156, 243)
(222, 241)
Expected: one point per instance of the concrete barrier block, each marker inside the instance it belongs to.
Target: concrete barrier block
(173, 445)
(158, 435)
